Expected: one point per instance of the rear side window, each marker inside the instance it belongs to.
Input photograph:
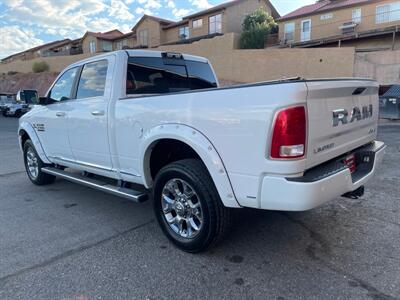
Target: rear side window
(63, 87)
(151, 75)
(93, 80)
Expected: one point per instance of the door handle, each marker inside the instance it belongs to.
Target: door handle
(60, 114)
(98, 113)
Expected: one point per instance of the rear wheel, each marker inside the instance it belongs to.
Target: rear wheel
(34, 165)
(188, 207)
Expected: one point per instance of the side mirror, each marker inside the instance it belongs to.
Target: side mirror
(18, 96)
(27, 96)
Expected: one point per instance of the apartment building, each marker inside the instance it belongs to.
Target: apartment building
(48, 49)
(365, 24)
(150, 31)
(95, 42)
(226, 17)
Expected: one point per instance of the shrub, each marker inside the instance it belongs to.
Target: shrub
(11, 72)
(256, 27)
(40, 66)
(253, 39)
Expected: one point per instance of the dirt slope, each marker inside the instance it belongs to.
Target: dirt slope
(36, 81)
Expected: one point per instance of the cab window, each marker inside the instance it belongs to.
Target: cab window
(93, 80)
(62, 89)
(154, 75)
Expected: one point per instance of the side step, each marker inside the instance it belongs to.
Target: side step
(129, 194)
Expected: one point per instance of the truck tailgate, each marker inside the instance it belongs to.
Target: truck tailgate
(342, 115)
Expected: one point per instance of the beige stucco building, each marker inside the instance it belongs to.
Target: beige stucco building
(224, 18)
(94, 42)
(364, 24)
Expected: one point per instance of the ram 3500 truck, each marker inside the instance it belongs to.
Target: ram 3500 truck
(144, 123)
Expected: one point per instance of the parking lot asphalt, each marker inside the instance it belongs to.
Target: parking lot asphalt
(64, 241)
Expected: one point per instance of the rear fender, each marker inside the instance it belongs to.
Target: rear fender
(201, 145)
(27, 127)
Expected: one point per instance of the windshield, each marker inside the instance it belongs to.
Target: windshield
(155, 75)
(5, 99)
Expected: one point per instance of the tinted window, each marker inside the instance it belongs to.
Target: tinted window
(149, 75)
(62, 88)
(201, 75)
(93, 80)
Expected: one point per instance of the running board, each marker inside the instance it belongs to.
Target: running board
(126, 193)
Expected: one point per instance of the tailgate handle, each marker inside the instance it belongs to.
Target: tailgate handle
(359, 91)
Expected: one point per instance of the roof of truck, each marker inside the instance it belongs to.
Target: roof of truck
(151, 53)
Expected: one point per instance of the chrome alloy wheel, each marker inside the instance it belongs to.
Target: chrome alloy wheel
(182, 208)
(32, 163)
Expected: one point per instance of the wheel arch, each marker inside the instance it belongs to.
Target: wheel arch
(26, 131)
(201, 147)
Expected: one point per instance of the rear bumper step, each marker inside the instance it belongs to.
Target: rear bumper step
(126, 193)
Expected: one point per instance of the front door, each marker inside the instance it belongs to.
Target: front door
(305, 30)
(88, 118)
(51, 123)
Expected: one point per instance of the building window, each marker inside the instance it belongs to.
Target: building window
(388, 13)
(326, 17)
(184, 33)
(121, 44)
(289, 32)
(118, 45)
(356, 15)
(143, 37)
(107, 46)
(197, 23)
(215, 24)
(92, 46)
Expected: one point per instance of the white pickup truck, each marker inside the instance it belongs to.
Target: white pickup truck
(144, 123)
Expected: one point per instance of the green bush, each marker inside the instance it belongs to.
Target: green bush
(256, 27)
(253, 39)
(40, 66)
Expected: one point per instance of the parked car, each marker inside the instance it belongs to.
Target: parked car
(5, 101)
(25, 99)
(157, 125)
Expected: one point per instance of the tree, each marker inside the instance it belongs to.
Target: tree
(256, 26)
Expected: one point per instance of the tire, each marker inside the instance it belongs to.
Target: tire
(4, 114)
(212, 222)
(18, 113)
(36, 177)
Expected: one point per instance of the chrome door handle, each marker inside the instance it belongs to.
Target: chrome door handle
(98, 113)
(60, 114)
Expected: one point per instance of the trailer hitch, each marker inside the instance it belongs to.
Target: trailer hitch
(355, 194)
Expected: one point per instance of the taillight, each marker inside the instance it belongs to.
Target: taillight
(289, 135)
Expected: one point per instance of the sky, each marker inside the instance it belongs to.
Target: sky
(28, 23)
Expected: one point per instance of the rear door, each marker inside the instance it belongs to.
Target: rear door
(342, 115)
(88, 117)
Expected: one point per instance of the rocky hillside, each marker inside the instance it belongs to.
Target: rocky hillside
(35, 81)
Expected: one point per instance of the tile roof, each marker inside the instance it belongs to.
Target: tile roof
(157, 19)
(321, 6)
(109, 35)
(275, 13)
(51, 44)
(176, 24)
